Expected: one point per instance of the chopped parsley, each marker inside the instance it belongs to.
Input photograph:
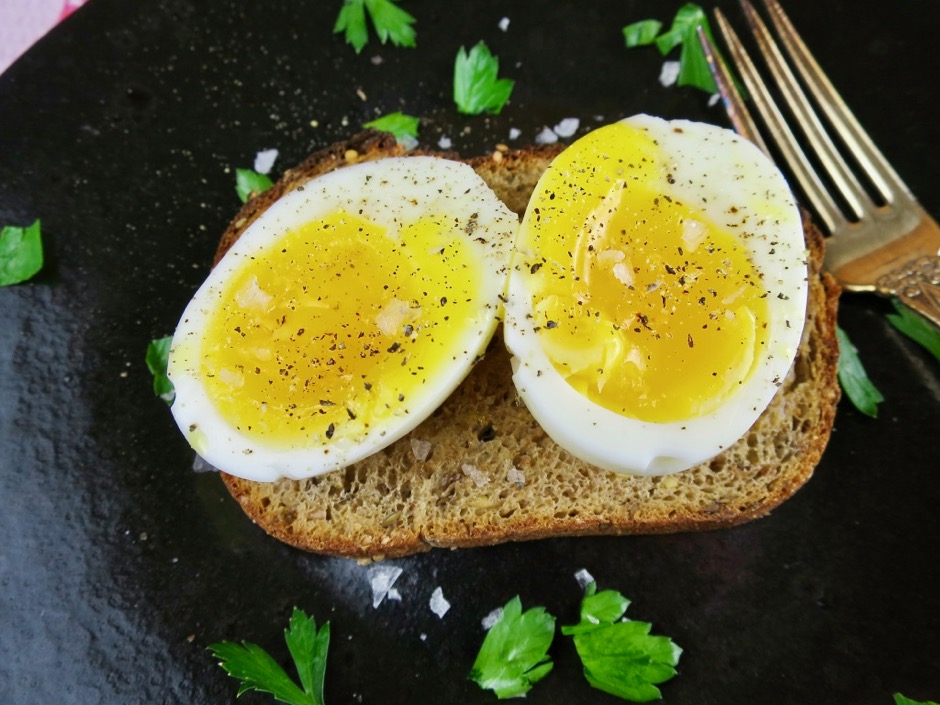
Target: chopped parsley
(619, 655)
(476, 86)
(916, 327)
(693, 66)
(157, 353)
(388, 19)
(20, 253)
(514, 655)
(249, 182)
(258, 671)
(403, 127)
(853, 378)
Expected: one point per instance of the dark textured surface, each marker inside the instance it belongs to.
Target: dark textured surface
(118, 564)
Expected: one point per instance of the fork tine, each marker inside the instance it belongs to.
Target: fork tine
(734, 104)
(852, 191)
(859, 144)
(817, 194)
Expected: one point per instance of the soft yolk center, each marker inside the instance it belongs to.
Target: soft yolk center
(337, 326)
(641, 303)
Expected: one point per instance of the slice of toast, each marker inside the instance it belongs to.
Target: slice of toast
(481, 471)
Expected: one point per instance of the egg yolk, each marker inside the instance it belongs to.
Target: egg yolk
(335, 326)
(641, 303)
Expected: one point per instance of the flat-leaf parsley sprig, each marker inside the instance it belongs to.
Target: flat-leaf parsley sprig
(619, 655)
(477, 88)
(514, 655)
(389, 20)
(258, 671)
(20, 253)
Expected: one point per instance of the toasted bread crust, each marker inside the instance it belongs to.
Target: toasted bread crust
(492, 475)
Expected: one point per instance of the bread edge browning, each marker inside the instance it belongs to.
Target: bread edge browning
(301, 512)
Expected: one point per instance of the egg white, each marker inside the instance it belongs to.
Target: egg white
(391, 193)
(735, 185)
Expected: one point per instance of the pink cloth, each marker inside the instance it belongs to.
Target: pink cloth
(22, 22)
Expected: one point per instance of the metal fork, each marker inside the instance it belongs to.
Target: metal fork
(892, 249)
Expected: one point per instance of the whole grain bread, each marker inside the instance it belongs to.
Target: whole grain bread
(481, 471)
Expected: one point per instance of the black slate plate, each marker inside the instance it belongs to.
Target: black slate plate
(118, 564)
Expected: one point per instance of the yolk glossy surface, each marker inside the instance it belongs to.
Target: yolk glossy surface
(332, 329)
(640, 303)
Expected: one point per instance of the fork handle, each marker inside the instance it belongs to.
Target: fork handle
(917, 285)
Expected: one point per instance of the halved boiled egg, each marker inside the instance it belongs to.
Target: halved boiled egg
(657, 294)
(341, 318)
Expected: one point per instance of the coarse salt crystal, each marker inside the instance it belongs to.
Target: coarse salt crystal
(393, 594)
(445, 142)
(504, 24)
(515, 475)
(566, 127)
(669, 73)
(492, 618)
(421, 449)
(584, 578)
(546, 136)
(471, 471)
(514, 133)
(438, 604)
(381, 579)
(713, 100)
(264, 160)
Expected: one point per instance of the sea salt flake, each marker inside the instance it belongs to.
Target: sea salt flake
(439, 604)
(546, 136)
(669, 73)
(381, 579)
(479, 478)
(713, 100)
(492, 618)
(566, 127)
(584, 578)
(264, 160)
(515, 476)
(393, 594)
(421, 449)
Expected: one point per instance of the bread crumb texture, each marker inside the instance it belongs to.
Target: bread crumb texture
(481, 471)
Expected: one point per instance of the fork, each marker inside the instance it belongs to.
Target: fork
(891, 249)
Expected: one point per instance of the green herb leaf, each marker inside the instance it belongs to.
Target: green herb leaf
(853, 378)
(20, 253)
(157, 353)
(916, 327)
(514, 654)
(641, 33)
(403, 127)
(258, 671)
(621, 657)
(390, 22)
(249, 182)
(476, 86)
(693, 66)
(902, 700)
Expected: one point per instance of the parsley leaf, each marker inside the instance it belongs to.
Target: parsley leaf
(20, 253)
(693, 66)
(249, 182)
(389, 20)
(157, 353)
(476, 86)
(902, 700)
(916, 327)
(514, 655)
(257, 670)
(403, 127)
(853, 378)
(621, 657)
(642, 33)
